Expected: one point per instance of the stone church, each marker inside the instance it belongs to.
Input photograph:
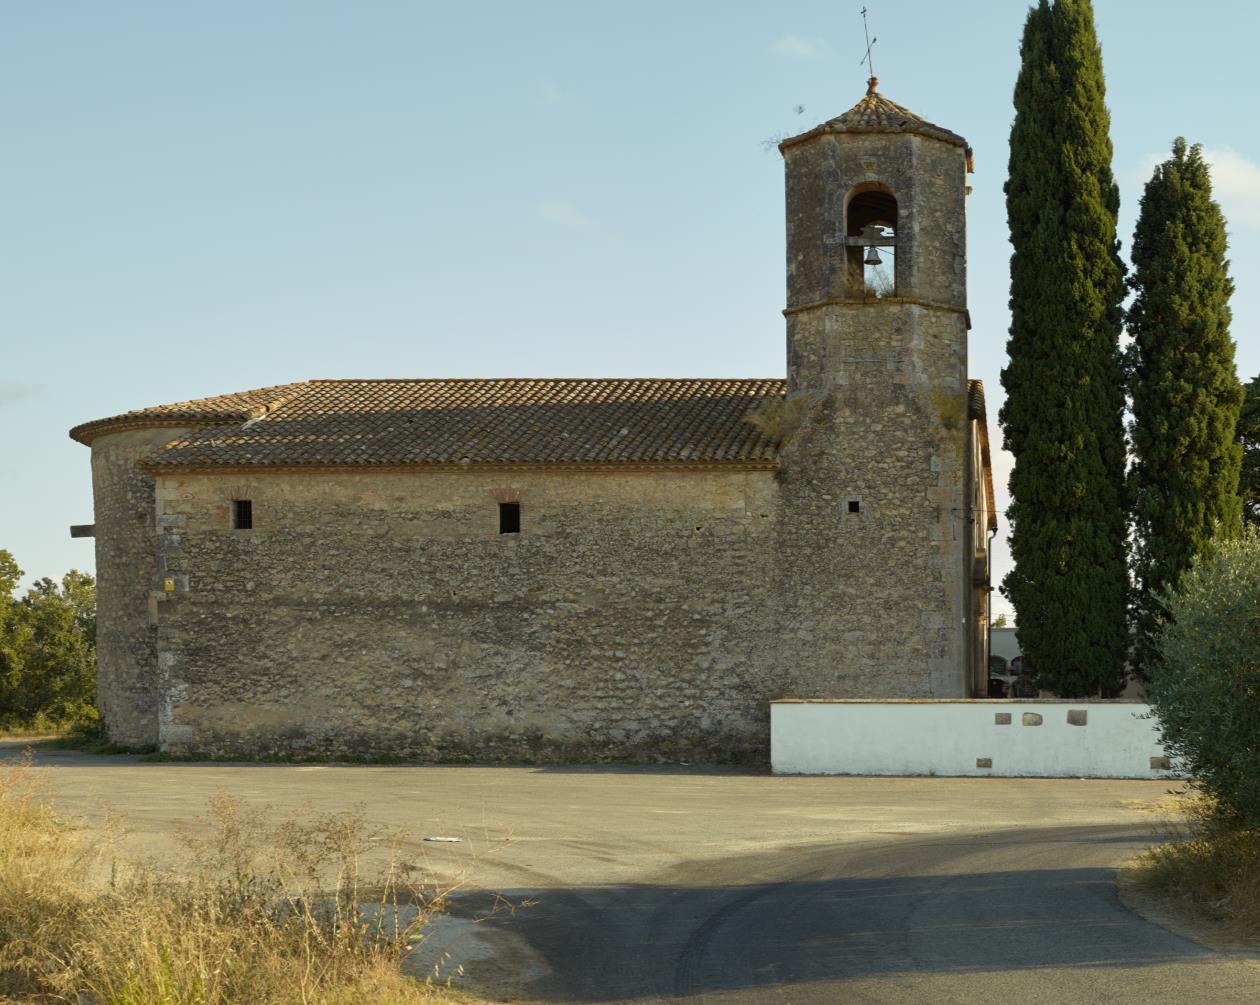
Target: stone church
(583, 569)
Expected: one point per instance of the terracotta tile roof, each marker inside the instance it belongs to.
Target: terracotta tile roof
(876, 114)
(225, 408)
(489, 422)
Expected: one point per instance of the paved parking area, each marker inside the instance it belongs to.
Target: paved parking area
(728, 886)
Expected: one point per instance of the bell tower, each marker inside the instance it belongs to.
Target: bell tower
(875, 476)
(876, 218)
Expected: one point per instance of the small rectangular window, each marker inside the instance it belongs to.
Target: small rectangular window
(509, 518)
(855, 506)
(242, 514)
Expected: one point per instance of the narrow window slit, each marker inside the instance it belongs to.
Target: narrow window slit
(242, 514)
(509, 518)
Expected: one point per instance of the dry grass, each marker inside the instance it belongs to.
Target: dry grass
(1209, 863)
(1170, 804)
(264, 912)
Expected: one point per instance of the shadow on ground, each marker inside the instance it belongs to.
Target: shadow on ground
(835, 926)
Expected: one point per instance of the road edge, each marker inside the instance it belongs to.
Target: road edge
(1180, 918)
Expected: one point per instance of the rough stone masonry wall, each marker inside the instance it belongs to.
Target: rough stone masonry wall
(126, 549)
(636, 615)
(925, 176)
(878, 385)
(891, 577)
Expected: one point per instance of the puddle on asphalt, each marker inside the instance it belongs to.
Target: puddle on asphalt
(476, 956)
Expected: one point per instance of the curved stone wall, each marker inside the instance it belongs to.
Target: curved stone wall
(126, 567)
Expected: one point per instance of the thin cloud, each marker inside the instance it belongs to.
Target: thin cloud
(1142, 171)
(1003, 462)
(14, 392)
(799, 46)
(563, 214)
(1235, 182)
(1002, 563)
(553, 95)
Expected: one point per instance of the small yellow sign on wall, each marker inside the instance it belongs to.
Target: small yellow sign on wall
(168, 584)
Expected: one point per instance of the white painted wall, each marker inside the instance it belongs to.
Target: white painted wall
(926, 737)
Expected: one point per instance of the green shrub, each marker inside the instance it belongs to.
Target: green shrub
(1205, 688)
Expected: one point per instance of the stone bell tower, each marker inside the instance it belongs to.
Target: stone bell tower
(875, 470)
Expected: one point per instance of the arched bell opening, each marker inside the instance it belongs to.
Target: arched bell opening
(871, 241)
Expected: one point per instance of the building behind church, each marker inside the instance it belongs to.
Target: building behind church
(579, 569)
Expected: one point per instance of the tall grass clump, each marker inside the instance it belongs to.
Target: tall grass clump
(44, 868)
(262, 911)
(1210, 863)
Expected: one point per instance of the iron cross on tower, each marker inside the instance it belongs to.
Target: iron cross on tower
(870, 64)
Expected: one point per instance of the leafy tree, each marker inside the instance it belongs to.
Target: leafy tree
(47, 648)
(1249, 441)
(1205, 686)
(1186, 395)
(10, 650)
(1063, 415)
(10, 574)
(59, 671)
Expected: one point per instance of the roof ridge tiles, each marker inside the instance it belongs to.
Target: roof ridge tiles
(533, 380)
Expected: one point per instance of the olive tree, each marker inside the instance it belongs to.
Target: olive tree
(1205, 684)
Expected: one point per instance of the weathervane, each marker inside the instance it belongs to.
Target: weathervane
(870, 64)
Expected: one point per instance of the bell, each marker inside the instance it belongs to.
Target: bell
(872, 257)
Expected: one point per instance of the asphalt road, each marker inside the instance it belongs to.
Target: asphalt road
(727, 887)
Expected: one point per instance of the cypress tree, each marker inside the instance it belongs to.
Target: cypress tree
(1186, 394)
(1063, 415)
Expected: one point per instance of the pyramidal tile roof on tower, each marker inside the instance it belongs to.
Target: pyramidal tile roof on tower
(876, 114)
(682, 421)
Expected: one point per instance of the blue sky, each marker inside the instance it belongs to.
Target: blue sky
(199, 198)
